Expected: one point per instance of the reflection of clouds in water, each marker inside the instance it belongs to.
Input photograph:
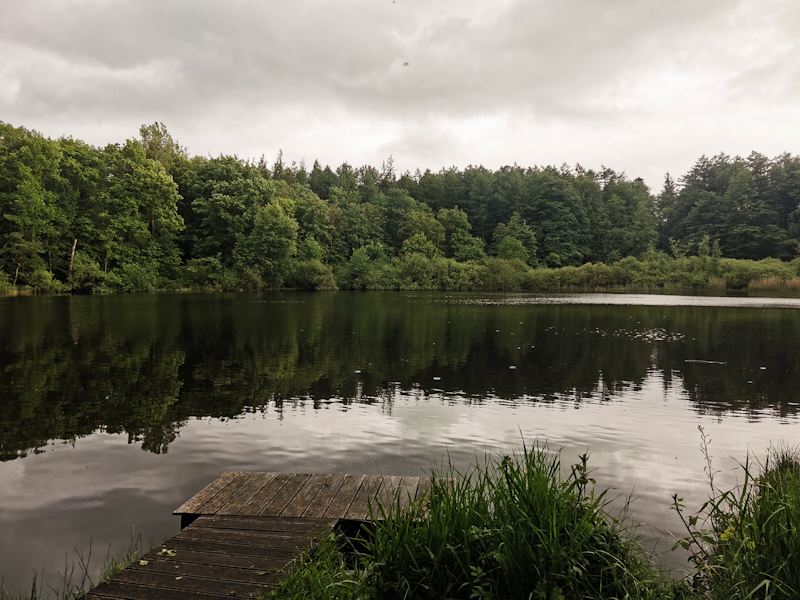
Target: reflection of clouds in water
(646, 441)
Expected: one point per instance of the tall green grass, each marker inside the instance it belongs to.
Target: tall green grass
(512, 527)
(327, 574)
(745, 542)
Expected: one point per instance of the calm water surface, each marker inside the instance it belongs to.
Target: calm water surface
(114, 410)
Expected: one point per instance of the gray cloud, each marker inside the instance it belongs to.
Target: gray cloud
(641, 86)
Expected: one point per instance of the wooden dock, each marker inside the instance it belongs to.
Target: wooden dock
(241, 534)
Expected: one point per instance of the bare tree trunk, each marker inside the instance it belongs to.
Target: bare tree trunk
(16, 274)
(72, 256)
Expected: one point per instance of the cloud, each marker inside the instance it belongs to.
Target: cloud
(429, 82)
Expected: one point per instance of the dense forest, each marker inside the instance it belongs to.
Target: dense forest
(145, 215)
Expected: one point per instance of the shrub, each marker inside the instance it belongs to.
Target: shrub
(505, 275)
(311, 275)
(41, 281)
(541, 280)
(85, 274)
(5, 284)
(201, 273)
(134, 277)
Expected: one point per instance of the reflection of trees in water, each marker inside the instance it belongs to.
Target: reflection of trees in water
(73, 366)
(143, 365)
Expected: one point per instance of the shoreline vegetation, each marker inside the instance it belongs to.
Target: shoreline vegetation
(654, 272)
(521, 526)
(513, 528)
(144, 216)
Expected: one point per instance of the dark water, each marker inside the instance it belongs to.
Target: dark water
(114, 410)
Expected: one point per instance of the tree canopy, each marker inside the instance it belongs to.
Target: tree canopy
(145, 214)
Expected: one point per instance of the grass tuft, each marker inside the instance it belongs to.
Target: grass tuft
(114, 562)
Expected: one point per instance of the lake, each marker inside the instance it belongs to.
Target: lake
(116, 409)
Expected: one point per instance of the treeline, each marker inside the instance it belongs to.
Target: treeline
(146, 215)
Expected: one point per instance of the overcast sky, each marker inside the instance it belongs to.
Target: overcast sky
(641, 86)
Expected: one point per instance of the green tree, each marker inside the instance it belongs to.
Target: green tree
(419, 244)
(32, 216)
(517, 229)
(227, 195)
(322, 180)
(160, 147)
(511, 248)
(422, 221)
(557, 217)
(141, 217)
(269, 245)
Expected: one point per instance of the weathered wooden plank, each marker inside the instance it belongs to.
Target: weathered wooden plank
(187, 584)
(139, 592)
(285, 495)
(263, 523)
(208, 492)
(407, 491)
(215, 547)
(282, 539)
(224, 560)
(359, 509)
(344, 497)
(189, 569)
(323, 499)
(267, 493)
(305, 496)
(386, 496)
(225, 495)
(247, 493)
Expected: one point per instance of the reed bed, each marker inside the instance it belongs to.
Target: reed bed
(774, 283)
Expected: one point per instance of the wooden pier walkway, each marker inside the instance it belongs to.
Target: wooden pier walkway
(241, 534)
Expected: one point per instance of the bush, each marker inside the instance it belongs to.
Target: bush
(505, 275)
(137, 277)
(311, 275)
(86, 274)
(250, 279)
(418, 272)
(739, 273)
(41, 281)
(201, 273)
(5, 284)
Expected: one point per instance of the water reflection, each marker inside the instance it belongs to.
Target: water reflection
(366, 383)
(143, 365)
